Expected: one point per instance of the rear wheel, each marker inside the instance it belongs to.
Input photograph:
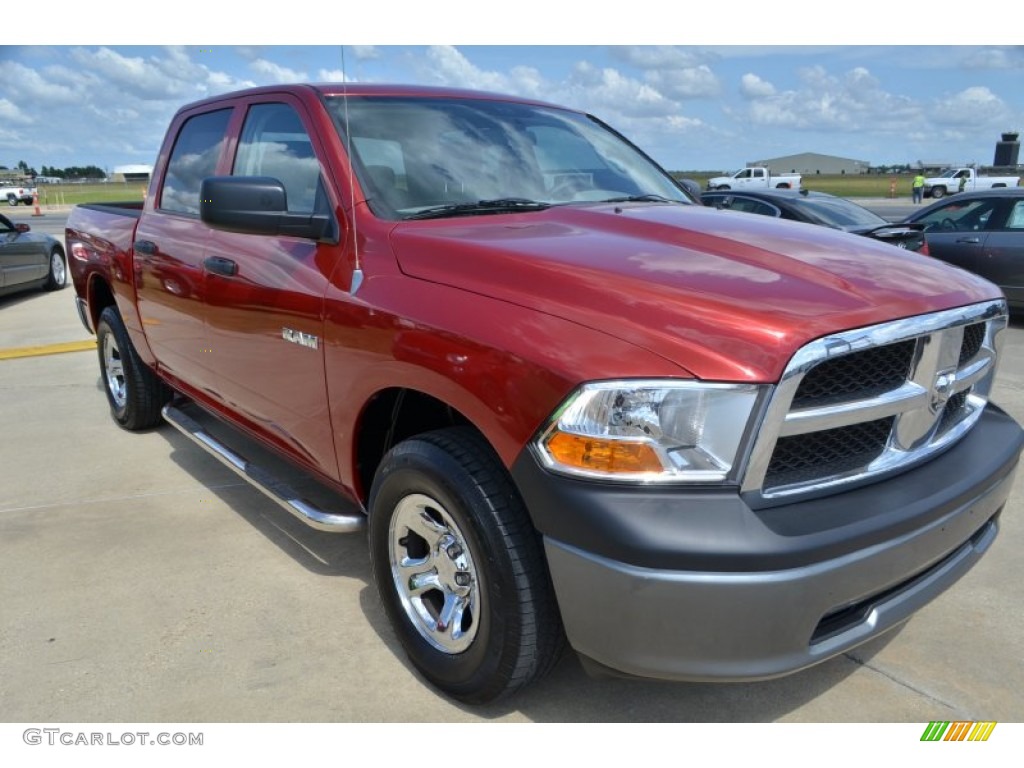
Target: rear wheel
(57, 277)
(460, 569)
(134, 392)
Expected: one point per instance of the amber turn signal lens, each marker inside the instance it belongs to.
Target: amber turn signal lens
(597, 455)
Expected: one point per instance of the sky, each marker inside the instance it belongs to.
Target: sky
(699, 106)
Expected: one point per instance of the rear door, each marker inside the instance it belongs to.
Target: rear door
(265, 295)
(169, 250)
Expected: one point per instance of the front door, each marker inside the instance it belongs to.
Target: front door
(265, 298)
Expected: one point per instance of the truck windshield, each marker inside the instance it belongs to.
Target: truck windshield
(417, 156)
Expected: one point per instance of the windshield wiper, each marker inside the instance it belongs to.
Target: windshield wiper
(497, 205)
(645, 199)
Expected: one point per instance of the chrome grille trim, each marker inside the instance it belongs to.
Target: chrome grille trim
(946, 387)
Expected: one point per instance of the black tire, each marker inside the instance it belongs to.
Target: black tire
(12, 201)
(57, 277)
(473, 548)
(938, 192)
(134, 392)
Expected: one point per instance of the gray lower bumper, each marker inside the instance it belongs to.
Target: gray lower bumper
(696, 585)
(756, 625)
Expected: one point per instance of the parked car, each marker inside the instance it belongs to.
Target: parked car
(982, 232)
(29, 260)
(822, 209)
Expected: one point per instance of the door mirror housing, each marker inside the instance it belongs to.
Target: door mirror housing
(258, 205)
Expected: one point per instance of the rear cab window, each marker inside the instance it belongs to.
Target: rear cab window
(194, 157)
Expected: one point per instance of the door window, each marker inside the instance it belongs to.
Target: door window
(971, 216)
(274, 143)
(1016, 218)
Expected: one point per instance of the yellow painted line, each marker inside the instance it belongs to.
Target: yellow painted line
(47, 349)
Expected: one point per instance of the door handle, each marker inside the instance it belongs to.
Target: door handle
(218, 265)
(147, 247)
(969, 240)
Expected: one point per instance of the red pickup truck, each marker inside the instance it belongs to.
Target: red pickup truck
(568, 402)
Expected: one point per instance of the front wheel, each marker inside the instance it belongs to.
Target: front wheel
(459, 567)
(12, 201)
(135, 394)
(938, 192)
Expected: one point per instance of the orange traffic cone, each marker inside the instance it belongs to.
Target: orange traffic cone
(35, 202)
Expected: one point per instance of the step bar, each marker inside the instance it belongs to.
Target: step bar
(263, 480)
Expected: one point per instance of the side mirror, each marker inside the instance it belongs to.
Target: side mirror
(258, 205)
(23, 228)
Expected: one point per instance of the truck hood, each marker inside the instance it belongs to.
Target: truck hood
(726, 296)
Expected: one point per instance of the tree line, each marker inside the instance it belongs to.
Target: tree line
(72, 172)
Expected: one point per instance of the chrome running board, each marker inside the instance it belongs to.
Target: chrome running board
(276, 489)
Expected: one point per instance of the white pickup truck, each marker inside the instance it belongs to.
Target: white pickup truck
(964, 180)
(755, 178)
(15, 195)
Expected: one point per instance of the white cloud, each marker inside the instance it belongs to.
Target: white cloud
(605, 89)
(331, 76)
(973, 106)
(446, 65)
(270, 72)
(994, 58)
(685, 83)
(753, 87)
(656, 57)
(10, 113)
(850, 103)
(365, 52)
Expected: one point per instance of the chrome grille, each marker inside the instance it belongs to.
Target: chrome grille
(863, 403)
(804, 458)
(859, 374)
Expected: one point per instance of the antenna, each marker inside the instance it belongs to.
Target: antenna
(357, 272)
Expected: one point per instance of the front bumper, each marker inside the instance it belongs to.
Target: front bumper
(692, 585)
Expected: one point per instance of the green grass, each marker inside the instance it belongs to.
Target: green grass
(74, 194)
(836, 184)
(844, 186)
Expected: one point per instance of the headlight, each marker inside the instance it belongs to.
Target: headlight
(661, 431)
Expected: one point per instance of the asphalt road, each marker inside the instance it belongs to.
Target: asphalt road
(141, 581)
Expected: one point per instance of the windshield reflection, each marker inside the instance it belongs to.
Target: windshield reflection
(415, 154)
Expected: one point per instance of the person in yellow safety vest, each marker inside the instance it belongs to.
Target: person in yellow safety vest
(917, 187)
(963, 180)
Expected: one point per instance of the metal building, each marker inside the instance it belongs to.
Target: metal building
(132, 173)
(811, 163)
